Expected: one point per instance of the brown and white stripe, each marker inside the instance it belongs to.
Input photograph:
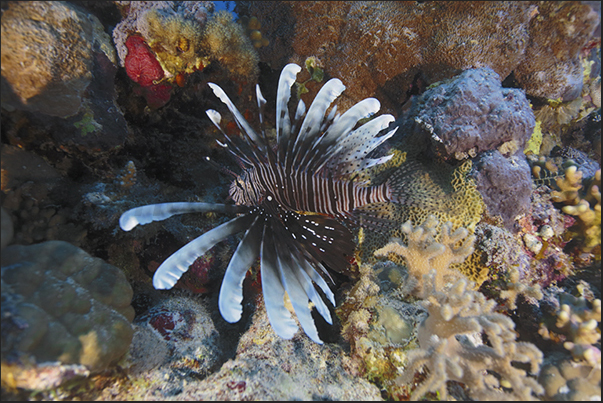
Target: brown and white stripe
(302, 191)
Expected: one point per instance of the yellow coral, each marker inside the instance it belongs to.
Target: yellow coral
(535, 141)
(225, 41)
(587, 209)
(176, 42)
(450, 196)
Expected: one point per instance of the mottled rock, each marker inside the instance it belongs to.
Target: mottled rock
(176, 334)
(47, 56)
(7, 229)
(505, 185)
(551, 66)
(265, 367)
(58, 64)
(380, 49)
(470, 114)
(61, 304)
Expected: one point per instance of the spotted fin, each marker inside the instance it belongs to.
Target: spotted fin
(327, 240)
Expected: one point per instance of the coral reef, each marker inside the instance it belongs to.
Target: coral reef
(50, 82)
(257, 370)
(400, 41)
(72, 86)
(27, 183)
(181, 333)
(226, 43)
(92, 128)
(7, 229)
(429, 189)
(61, 304)
(423, 253)
(450, 350)
(551, 66)
(160, 43)
(586, 207)
(470, 114)
(505, 185)
(574, 324)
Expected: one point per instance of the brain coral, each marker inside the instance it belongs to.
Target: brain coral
(61, 304)
(380, 47)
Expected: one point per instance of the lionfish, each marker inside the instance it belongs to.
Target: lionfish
(293, 200)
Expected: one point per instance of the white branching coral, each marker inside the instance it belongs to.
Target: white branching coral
(424, 253)
(451, 347)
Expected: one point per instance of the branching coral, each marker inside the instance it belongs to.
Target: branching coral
(450, 354)
(578, 323)
(586, 207)
(423, 253)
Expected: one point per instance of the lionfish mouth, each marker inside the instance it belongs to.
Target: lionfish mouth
(292, 203)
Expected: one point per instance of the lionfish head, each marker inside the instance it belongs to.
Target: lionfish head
(296, 247)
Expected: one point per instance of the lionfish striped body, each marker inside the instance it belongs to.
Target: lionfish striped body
(293, 201)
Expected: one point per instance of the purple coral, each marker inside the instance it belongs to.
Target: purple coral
(471, 114)
(505, 185)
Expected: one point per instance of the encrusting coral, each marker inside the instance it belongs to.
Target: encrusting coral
(431, 189)
(451, 351)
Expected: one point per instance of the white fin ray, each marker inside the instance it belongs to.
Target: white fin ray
(315, 116)
(297, 295)
(158, 212)
(306, 282)
(341, 128)
(273, 289)
(240, 120)
(283, 94)
(355, 144)
(231, 290)
(261, 102)
(299, 113)
(176, 265)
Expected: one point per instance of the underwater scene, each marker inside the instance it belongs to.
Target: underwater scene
(301, 200)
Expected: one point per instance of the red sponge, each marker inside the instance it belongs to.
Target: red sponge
(141, 64)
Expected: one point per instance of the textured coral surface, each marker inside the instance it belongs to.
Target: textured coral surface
(61, 304)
